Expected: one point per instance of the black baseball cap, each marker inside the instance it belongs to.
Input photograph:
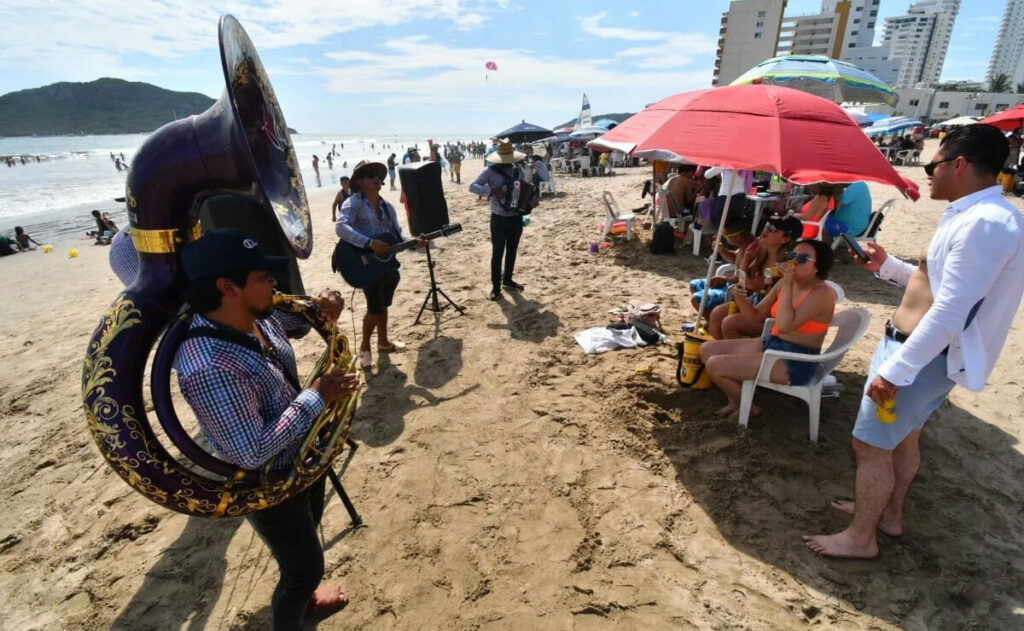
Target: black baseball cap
(226, 251)
(789, 226)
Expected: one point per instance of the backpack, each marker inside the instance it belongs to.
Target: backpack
(664, 239)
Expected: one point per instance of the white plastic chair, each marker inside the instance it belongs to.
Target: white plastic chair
(837, 290)
(548, 186)
(613, 214)
(851, 325)
(584, 166)
(820, 225)
(871, 231)
(903, 156)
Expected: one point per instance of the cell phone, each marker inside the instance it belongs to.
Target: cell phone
(857, 250)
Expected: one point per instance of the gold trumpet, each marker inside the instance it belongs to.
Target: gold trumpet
(326, 438)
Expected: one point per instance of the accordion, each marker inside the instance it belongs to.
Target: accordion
(520, 197)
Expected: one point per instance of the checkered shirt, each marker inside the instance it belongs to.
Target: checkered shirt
(124, 259)
(248, 409)
(358, 222)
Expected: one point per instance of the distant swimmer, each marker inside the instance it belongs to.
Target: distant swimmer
(316, 169)
(330, 162)
(118, 165)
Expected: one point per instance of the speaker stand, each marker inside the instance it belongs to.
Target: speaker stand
(357, 521)
(431, 297)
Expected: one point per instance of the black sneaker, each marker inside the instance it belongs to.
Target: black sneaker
(494, 295)
(511, 284)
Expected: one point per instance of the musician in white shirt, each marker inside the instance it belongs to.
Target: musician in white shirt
(949, 329)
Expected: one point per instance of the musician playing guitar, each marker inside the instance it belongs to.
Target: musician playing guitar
(363, 216)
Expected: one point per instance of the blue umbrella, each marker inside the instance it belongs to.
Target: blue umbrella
(607, 123)
(587, 132)
(876, 116)
(524, 132)
(892, 125)
(835, 80)
(862, 119)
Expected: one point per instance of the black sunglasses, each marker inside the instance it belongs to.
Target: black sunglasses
(929, 169)
(797, 257)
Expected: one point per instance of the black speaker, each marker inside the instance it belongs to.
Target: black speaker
(424, 196)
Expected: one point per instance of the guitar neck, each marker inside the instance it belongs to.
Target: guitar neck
(411, 243)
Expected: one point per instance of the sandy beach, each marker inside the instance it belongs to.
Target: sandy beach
(510, 481)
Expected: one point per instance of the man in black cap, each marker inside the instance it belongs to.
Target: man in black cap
(237, 371)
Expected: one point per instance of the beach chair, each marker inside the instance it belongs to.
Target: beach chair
(584, 166)
(851, 325)
(613, 214)
(548, 186)
(837, 289)
(903, 156)
(820, 225)
(874, 225)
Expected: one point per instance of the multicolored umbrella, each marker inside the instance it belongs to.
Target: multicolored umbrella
(835, 80)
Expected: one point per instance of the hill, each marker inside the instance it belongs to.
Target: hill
(619, 116)
(104, 106)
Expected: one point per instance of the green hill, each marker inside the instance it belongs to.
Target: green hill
(620, 116)
(104, 106)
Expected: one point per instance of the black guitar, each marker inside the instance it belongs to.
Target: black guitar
(360, 267)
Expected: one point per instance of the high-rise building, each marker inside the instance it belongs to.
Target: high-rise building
(749, 34)
(820, 34)
(860, 27)
(919, 40)
(1008, 54)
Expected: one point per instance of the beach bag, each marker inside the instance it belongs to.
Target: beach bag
(690, 371)
(663, 241)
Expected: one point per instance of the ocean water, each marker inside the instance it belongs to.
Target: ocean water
(52, 196)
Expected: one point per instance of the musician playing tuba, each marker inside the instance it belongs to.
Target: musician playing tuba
(237, 371)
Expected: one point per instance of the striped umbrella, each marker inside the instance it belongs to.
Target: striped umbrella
(835, 80)
(892, 125)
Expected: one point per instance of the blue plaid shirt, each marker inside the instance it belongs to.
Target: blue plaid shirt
(247, 407)
(358, 222)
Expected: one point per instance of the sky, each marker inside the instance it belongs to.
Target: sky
(406, 66)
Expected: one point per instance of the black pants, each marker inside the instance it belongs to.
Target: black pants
(505, 233)
(290, 531)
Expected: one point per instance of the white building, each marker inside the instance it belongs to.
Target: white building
(748, 35)
(860, 27)
(1008, 54)
(920, 39)
(931, 105)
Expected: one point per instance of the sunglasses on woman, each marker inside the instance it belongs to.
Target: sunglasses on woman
(798, 257)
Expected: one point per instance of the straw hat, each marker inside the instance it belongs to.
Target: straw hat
(505, 153)
(365, 165)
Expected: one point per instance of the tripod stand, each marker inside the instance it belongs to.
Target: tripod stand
(357, 521)
(431, 296)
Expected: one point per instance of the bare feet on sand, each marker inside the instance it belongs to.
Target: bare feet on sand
(326, 600)
(887, 526)
(841, 545)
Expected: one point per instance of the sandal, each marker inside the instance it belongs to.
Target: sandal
(336, 601)
(393, 347)
(366, 360)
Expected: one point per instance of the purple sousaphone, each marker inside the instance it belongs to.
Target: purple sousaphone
(232, 165)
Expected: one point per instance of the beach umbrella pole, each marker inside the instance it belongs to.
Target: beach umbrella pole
(712, 260)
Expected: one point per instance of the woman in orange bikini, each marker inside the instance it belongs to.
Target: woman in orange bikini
(802, 305)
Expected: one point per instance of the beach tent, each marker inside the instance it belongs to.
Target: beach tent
(802, 137)
(1007, 120)
(835, 80)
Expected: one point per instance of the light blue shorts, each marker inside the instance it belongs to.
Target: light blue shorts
(914, 403)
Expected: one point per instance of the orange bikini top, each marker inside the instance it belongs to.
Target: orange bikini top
(812, 327)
